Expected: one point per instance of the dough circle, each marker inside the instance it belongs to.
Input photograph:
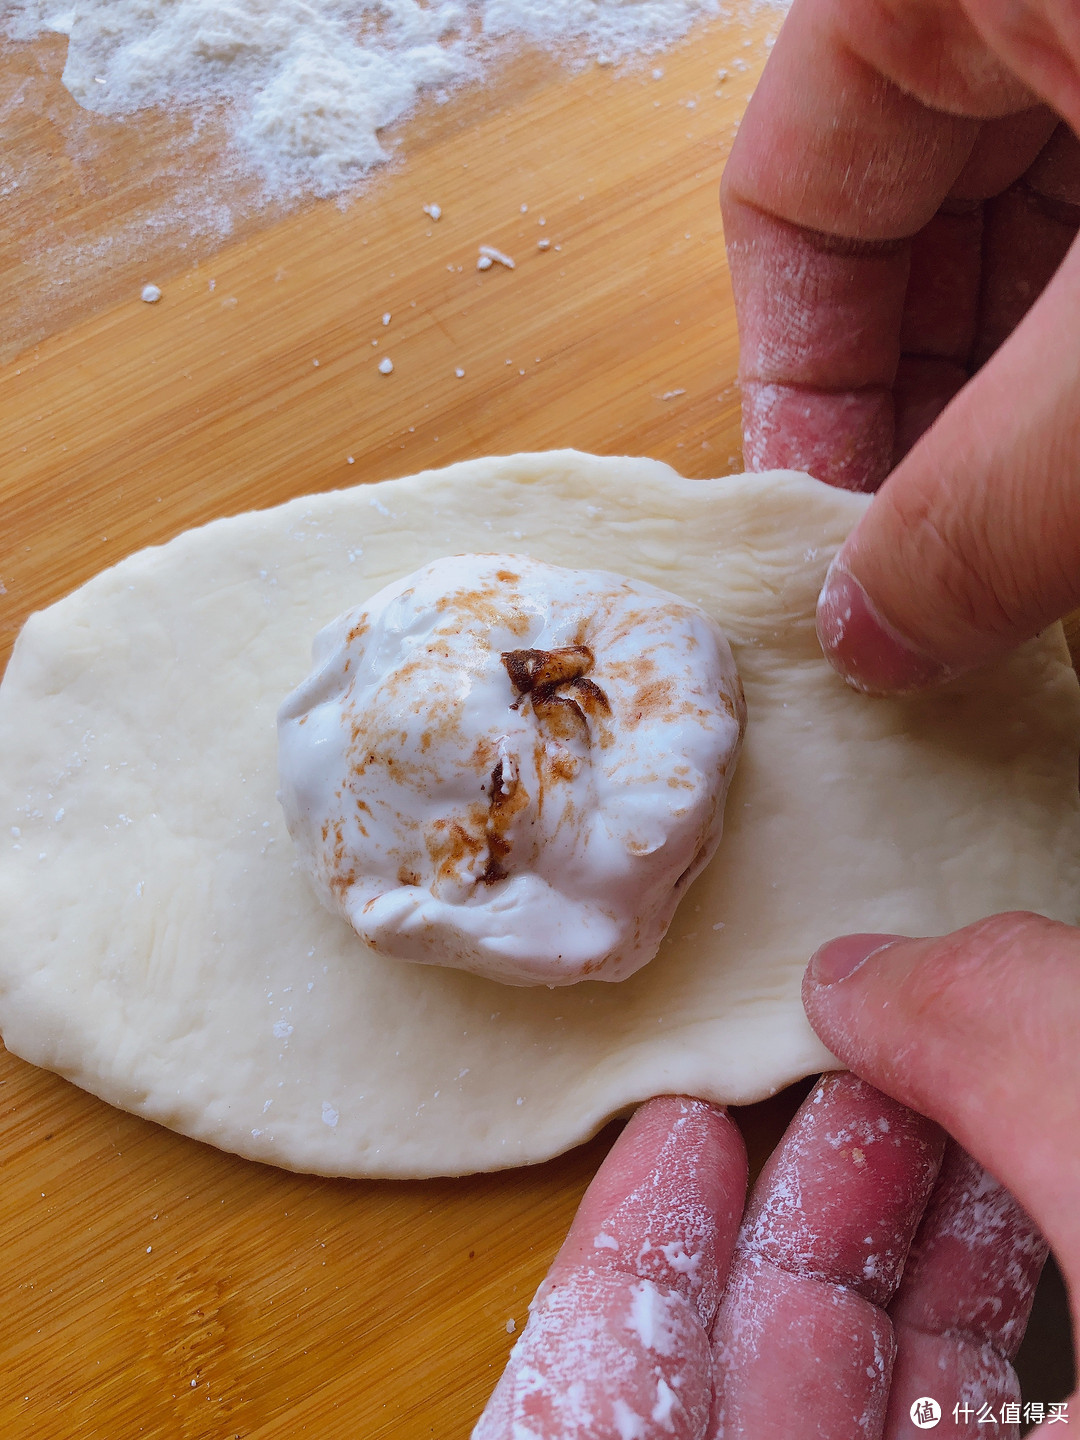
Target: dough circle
(160, 946)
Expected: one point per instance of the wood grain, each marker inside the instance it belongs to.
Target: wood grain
(153, 1286)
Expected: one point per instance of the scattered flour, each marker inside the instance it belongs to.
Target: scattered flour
(309, 85)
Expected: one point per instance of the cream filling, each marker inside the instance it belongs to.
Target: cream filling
(512, 768)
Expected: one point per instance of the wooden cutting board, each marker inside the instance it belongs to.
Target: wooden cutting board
(153, 1286)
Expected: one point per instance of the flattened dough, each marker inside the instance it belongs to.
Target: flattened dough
(160, 947)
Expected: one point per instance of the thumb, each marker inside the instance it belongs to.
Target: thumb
(973, 543)
(976, 1030)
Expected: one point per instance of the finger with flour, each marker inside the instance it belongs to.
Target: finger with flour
(617, 1339)
(801, 1342)
(849, 147)
(963, 1305)
(872, 267)
(978, 1030)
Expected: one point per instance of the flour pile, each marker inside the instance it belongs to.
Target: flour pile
(309, 84)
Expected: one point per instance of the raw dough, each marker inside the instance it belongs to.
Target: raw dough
(512, 768)
(160, 946)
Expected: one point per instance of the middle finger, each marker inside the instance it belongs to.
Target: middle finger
(800, 1344)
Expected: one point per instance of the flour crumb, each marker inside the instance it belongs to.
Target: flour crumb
(435, 211)
(386, 366)
(490, 254)
(543, 244)
(329, 1114)
(151, 294)
(666, 1400)
(460, 373)
(511, 1326)
(387, 317)
(484, 263)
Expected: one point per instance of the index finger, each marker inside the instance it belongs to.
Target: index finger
(847, 150)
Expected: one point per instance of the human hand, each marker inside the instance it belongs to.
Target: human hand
(899, 192)
(872, 281)
(661, 1317)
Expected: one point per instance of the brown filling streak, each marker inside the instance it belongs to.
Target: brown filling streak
(502, 807)
(541, 674)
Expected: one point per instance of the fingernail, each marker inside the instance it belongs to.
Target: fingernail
(867, 651)
(837, 959)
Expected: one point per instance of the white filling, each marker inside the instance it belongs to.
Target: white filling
(512, 768)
